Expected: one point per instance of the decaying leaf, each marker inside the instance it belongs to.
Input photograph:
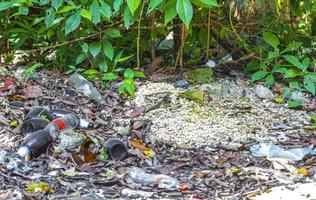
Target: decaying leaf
(146, 150)
(39, 187)
(135, 112)
(8, 83)
(70, 172)
(33, 91)
(197, 95)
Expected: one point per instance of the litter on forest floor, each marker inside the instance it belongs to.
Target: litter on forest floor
(270, 150)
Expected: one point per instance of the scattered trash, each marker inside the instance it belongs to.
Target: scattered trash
(184, 84)
(272, 151)
(34, 144)
(32, 125)
(210, 63)
(84, 86)
(38, 112)
(116, 148)
(140, 176)
(227, 58)
(136, 193)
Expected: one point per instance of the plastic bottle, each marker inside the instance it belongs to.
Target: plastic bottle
(34, 144)
(116, 148)
(140, 176)
(83, 85)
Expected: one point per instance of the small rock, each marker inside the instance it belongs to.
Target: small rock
(263, 92)
(122, 130)
(181, 84)
(299, 96)
(3, 155)
(210, 63)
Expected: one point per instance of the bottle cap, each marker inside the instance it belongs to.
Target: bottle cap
(25, 153)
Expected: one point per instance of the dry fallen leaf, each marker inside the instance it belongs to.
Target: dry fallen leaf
(32, 91)
(146, 150)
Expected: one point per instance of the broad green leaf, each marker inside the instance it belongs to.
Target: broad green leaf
(106, 10)
(23, 10)
(103, 65)
(139, 74)
(294, 85)
(291, 73)
(85, 47)
(66, 8)
(295, 104)
(6, 4)
(129, 73)
(133, 5)
(185, 11)
(56, 21)
(205, 3)
(90, 72)
(252, 66)
(292, 46)
(95, 48)
(170, 11)
(153, 4)
(95, 11)
(294, 61)
(312, 76)
(259, 75)
(49, 18)
(37, 20)
(72, 23)
(271, 39)
(305, 64)
(86, 14)
(129, 18)
(108, 49)
(44, 2)
(272, 55)
(117, 5)
(114, 33)
(80, 58)
(57, 3)
(110, 76)
(309, 84)
(270, 80)
(130, 86)
(124, 58)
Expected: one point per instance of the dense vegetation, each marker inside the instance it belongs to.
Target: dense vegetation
(114, 39)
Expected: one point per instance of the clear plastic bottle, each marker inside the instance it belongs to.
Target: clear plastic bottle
(140, 176)
(83, 85)
(34, 144)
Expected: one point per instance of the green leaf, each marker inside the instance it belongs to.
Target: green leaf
(57, 3)
(170, 11)
(295, 104)
(105, 155)
(197, 96)
(252, 66)
(70, 172)
(108, 49)
(6, 4)
(85, 47)
(130, 86)
(114, 33)
(129, 18)
(153, 4)
(95, 12)
(49, 18)
(272, 55)
(44, 2)
(271, 39)
(133, 5)
(95, 48)
(103, 65)
(117, 5)
(270, 80)
(80, 58)
(294, 61)
(66, 8)
(86, 14)
(294, 85)
(106, 10)
(205, 3)
(90, 72)
(185, 11)
(110, 76)
(139, 74)
(292, 46)
(309, 84)
(72, 23)
(23, 10)
(259, 75)
(129, 73)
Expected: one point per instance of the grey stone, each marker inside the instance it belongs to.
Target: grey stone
(70, 139)
(181, 84)
(263, 92)
(299, 96)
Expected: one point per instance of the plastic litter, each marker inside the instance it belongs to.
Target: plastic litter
(32, 125)
(83, 85)
(272, 151)
(34, 144)
(116, 148)
(140, 176)
(136, 193)
(210, 63)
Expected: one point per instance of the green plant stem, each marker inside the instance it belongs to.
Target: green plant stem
(138, 35)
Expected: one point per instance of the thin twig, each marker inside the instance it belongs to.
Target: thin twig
(138, 35)
(208, 34)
